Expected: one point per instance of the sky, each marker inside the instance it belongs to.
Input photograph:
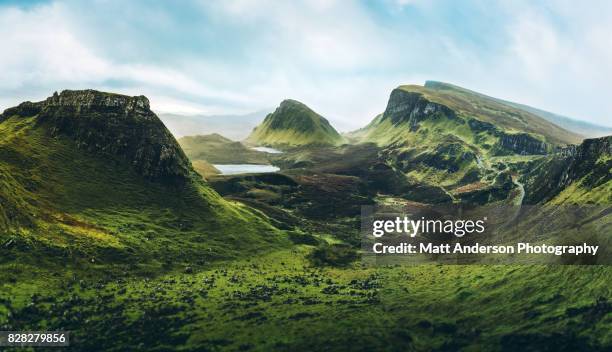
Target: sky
(342, 58)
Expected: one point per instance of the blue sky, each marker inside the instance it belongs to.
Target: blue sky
(342, 57)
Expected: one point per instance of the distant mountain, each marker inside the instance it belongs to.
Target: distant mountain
(584, 128)
(293, 124)
(92, 177)
(235, 127)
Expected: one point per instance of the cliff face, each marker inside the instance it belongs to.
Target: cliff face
(522, 143)
(112, 124)
(587, 164)
(411, 108)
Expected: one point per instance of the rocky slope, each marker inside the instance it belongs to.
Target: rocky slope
(479, 121)
(446, 136)
(575, 174)
(293, 124)
(94, 178)
(111, 124)
(570, 124)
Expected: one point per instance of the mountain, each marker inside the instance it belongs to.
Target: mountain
(235, 127)
(91, 177)
(107, 232)
(217, 149)
(459, 141)
(474, 118)
(293, 124)
(111, 124)
(577, 126)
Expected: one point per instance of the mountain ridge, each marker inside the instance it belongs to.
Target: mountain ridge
(494, 127)
(577, 174)
(571, 124)
(111, 123)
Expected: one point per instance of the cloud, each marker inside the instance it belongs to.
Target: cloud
(341, 57)
(561, 57)
(39, 48)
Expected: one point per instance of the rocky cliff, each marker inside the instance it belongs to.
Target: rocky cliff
(111, 124)
(521, 143)
(587, 165)
(411, 108)
(416, 116)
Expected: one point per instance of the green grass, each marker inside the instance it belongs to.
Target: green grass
(97, 210)
(125, 263)
(217, 149)
(280, 301)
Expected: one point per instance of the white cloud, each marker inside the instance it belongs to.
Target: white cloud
(38, 48)
(334, 55)
(561, 62)
(42, 51)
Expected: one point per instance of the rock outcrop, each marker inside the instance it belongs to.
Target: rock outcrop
(418, 116)
(411, 108)
(521, 143)
(588, 163)
(111, 124)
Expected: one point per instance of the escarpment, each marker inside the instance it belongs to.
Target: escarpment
(411, 108)
(587, 165)
(111, 124)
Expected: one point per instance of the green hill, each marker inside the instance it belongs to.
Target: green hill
(449, 136)
(216, 149)
(577, 126)
(95, 179)
(294, 124)
(476, 119)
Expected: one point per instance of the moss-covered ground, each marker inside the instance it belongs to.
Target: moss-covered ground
(281, 301)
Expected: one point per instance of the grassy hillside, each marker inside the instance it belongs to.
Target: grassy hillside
(576, 126)
(121, 243)
(217, 149)
(578, 175)
(450, 137)
(293, 124)
(64, 200)
(204, 168)
(472, 117)
(492, 110)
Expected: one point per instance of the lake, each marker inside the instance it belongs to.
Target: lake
(267, 150)
(233, 169)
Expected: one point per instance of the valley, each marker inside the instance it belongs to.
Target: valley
(114, 230)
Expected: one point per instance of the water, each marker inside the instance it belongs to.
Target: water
(267, 150)
(233, 169)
